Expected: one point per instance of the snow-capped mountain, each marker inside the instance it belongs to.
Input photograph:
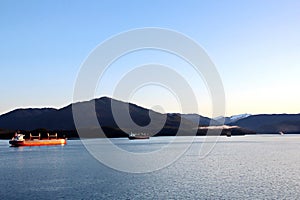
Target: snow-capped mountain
(231, 119)
(234, 118)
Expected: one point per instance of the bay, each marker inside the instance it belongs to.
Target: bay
(240, 167)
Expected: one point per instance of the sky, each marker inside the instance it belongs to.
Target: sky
(254, 44)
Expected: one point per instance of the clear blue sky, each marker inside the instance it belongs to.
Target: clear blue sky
(255, 45)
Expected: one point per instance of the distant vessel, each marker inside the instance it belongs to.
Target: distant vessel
(281, 133)
(228, 133)
(133, 136)
(18, 140)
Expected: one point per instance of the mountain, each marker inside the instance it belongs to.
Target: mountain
(274, 123)
(235, 118)
(62, 119)
(29, 119)
(201, 120)
(232, 119)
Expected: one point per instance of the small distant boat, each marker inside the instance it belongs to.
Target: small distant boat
(281, 133)
(228, 133)
(133, 136)
(19, 140)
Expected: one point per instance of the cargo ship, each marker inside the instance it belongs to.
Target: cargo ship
(19, 140)
(133, 136)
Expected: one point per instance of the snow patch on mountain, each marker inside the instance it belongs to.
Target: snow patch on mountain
(231, 119)
(238, 117)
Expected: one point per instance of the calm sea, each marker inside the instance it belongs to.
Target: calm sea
(244, 167)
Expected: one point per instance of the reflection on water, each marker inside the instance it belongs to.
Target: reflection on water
(264, 167)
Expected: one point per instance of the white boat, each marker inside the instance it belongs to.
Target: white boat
(281, 133)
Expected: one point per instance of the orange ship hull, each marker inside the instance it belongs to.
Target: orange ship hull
(38, 142)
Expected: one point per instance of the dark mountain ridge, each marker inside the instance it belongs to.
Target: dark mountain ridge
(271, 123)
(201, 120)
(62, 120)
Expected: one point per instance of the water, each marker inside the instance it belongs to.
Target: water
(248, 167)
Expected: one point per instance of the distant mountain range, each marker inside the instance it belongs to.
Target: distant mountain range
(275, 123)
(232, 119)
(62, 119)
